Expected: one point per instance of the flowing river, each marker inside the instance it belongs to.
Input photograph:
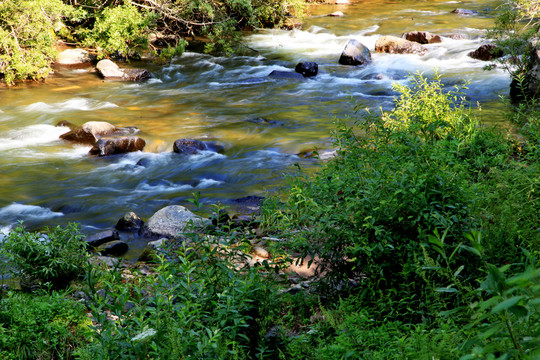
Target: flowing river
(261, 122)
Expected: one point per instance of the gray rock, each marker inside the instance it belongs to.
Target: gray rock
(114, 248)
(171, 222)
(129, 222)
(95, 240)
(109, 70)
(422, 37)
(74, 57)
(90, 132)
(394, 45)
(117, 145)
(307, 68)
(355, 53)
(279, 74)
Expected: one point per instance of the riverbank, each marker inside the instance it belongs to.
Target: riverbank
(405, 223)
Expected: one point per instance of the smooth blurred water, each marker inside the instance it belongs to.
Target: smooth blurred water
(46, 181)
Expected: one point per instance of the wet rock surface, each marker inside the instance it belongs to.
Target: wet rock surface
(355, 53)
(90, 132)
(486, 52)
(307, 68)
(422, 37)
(117, 145)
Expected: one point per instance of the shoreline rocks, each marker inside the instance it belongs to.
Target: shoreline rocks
(171, 221)
(109, 70)
(75, 58)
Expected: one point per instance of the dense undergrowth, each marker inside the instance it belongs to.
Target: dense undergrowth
(426, 223)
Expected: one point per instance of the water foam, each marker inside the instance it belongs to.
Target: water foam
(81, 104)
(30, 136)
(16, 211)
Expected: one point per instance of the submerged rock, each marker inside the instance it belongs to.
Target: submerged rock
(279, 74)
(355, 53)
(337, 14)
(171, 222)
(467, 12)
(90, 132)
(394, 45)
(109, 70)
(422, 37)
(307, 68)
(486, 52)
(117, 145)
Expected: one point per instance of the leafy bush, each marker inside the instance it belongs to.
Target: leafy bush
(192, 304)
(41, 326)
(52, 259)
(408, 174)
(28, 37)
(121, 31)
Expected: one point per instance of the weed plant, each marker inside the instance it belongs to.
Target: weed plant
(46, 260)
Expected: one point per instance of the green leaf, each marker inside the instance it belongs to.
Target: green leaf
(506, 304)
(446, 290)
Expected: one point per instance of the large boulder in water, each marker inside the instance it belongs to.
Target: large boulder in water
(90, 132)
(117, 145)
(74, 57)
(171, 221)
(355, 53)
(486, 52)
(394, 45)
(307, 68)
(109, 70)
(422, 37)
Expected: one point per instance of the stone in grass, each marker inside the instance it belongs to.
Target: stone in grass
(171, 221)
(114, 248)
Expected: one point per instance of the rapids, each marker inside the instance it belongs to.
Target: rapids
(262, 122)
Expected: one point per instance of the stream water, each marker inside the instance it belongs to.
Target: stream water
(261, 122)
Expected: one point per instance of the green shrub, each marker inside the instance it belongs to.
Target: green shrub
(28, 37)
(41, 326)
(51, 259)
(403, 176)
(193, 304)
(121, 31)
